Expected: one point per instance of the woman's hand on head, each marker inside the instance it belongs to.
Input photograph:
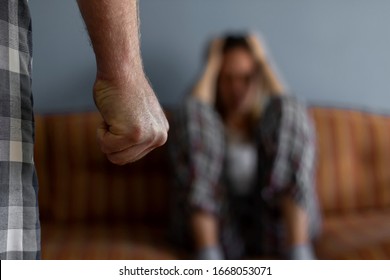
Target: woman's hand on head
(215, 54)
(257, 48)
(268, 80)
(205, 89)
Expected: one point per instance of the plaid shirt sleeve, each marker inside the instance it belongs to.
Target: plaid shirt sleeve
(19, 221)
(288, 148)
(292, 148)
(198, 154)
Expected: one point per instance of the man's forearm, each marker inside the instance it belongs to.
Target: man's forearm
(133, 121)
(113, 28)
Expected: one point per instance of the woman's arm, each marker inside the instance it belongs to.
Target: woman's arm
(205, 88)
(268, 78)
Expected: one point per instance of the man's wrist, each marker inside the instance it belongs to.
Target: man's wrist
(119, 77)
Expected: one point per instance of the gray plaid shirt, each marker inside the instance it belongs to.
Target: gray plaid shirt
(19, 218)
(286, 162)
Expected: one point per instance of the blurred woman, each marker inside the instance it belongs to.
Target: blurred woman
(243, 156)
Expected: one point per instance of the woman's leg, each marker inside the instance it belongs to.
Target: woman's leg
(297, 226)
(296, 222)
(204, 227)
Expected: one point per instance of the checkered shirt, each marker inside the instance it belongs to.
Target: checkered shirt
(285, 142)
(19, 218)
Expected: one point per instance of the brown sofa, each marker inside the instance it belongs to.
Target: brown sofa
(91, 209)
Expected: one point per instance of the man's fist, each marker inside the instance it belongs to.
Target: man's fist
(133, 121)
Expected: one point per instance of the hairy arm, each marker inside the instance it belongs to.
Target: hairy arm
(113, 28)
(134, 123)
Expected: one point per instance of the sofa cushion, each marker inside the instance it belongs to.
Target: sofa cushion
(103, 242)
(353, 159)
(363, 235)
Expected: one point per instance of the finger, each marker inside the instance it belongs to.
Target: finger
(110, 143)
(215, 48)
(130, 155)
(258, 48)
(144, 153)
(218, 43)
(138, 151)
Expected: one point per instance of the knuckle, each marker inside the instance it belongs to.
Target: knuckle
(161, 139)
(137, 134)
(164, 138)
(167, 126)
(160, 136)
(155, 135)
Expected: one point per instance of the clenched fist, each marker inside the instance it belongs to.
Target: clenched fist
(133, 121)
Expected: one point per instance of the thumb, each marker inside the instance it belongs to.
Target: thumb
(109, 142)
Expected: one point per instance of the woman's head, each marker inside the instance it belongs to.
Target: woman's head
(244, 75)
(237, 76)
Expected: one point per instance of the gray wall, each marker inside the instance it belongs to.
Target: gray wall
(328, 52)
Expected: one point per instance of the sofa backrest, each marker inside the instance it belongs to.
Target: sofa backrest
(353, 171)
(78, 183)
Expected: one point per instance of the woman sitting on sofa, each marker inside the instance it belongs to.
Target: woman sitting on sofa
(243, 156)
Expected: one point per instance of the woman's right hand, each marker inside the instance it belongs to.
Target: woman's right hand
(205, 88)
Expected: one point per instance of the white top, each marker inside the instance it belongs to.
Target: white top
(241, 164)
